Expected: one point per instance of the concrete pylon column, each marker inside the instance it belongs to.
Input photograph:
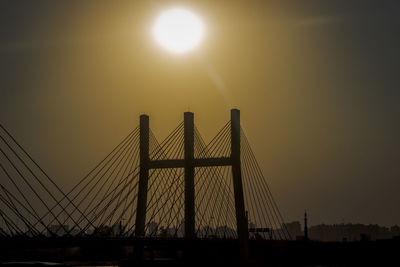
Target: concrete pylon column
(143, 176)
(241, 220)
(189, 175)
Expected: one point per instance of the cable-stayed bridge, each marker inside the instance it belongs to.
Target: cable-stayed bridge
(180, 187)
(145, 189)
(177, 201)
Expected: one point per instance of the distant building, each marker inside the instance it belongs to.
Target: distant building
(348, 232)
(294, 229)
(172, 231)
(181, 230)
(305, 227)
(75, 232)
(343, 232)
(153, 229)
(252, 227)
(103, 231)
(118, 229)
(57, 229)
(206, 232)
(163, 232)
(395, 231)
(224, 232)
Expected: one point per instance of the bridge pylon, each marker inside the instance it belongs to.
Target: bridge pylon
(241, 219)
(188, 138)
(143, 176)
(189, 163)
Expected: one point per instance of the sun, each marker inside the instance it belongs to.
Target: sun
(178, 30)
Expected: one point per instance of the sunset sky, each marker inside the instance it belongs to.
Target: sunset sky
(317, 83)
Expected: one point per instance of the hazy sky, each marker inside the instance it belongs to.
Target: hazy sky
(317, 83)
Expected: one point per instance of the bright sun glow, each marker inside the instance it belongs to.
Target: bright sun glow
(178, 30)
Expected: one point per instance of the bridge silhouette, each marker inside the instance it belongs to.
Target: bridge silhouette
(181, 188)
(178, 201)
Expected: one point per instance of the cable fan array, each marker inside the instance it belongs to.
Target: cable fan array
(31, 203)
(104, 202)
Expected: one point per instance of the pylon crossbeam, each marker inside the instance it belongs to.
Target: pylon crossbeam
(180, 163)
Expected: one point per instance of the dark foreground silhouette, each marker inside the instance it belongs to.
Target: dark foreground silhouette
(162, 252)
